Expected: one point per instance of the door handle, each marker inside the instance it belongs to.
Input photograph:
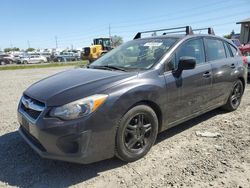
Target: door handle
(207, 74)
(232, 65)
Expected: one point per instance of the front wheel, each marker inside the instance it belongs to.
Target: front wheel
(136, 133)
(234, 99)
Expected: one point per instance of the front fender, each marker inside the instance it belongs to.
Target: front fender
(126, 95)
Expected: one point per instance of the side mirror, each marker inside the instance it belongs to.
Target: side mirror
(186, 63)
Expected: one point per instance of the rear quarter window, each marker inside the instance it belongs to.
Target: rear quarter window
(215, 49)
(233, 50)
(228, 52)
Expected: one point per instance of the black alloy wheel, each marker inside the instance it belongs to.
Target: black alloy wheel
(236, 95)
(234, 99)
(136, 133)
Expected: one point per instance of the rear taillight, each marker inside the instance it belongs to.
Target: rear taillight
(244, 59)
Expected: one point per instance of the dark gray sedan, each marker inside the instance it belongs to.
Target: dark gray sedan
(118, 105)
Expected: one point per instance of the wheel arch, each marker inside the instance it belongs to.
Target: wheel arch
(156, 109)
(243, 82)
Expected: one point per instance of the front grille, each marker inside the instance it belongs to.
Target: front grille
(32, 107)
(32, 139)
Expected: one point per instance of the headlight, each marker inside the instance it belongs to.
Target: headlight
(79, 108)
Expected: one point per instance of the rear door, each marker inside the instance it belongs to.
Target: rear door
(190, 92)
(223, 64)
(36, 58)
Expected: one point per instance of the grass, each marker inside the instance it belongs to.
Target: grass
(47, 65)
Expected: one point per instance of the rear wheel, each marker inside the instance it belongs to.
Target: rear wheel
(136, 133)
(25, 62)
(234, 99)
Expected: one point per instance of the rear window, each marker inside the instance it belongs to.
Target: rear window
(215, 49)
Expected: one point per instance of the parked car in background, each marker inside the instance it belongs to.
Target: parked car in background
(8, 59)
(3, 60)
(47, 55)
(248, 62)
(30, 59)
(65, 56)
(245, 49)
(118, 105)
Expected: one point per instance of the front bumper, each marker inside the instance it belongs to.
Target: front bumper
(81, 141)
(36, 146)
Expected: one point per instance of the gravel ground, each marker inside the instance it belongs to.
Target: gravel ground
(180, 158)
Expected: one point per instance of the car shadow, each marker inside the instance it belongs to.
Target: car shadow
(188, 124)
(21, 166)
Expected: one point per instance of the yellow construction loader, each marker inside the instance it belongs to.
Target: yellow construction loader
(99, 47)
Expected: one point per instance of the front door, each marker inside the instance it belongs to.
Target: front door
(190, 91)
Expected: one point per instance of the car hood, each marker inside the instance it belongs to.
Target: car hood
(74, 84)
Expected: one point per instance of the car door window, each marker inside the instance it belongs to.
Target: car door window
(228, 53)
(215, 49)
(192, 48)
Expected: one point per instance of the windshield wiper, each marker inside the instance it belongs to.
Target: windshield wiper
(109, 67)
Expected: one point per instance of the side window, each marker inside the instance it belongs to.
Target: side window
(171, 65)
(233, 50)
(192, 48)
(228, 53)
(215, 49)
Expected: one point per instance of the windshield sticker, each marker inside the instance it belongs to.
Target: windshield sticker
(153, 44)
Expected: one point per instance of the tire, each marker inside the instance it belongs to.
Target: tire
(136, 133)
(2, 63)
(234, 99)
(42, 61)
(25, 62)
(7, 61)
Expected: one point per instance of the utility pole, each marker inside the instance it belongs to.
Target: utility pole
(56, 42)
(109, 31)
(110, 35)
(28, 42)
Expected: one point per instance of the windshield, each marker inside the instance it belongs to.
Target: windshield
(136, 54)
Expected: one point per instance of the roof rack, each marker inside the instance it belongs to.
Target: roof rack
(188, 30)
(210, 30)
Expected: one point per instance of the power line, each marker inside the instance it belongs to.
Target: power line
(179, 17)
(63, 40)
(169, 16)
(174, 12)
